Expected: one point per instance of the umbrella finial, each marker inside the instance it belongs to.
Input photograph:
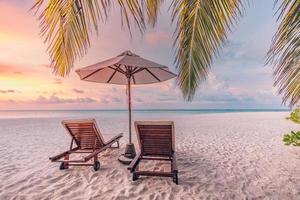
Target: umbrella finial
(128, 53)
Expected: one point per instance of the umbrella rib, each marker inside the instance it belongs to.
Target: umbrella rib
(137, 71)
(167, 71)
(133, 78)
(112, 75)
(134, 69)
(152, 74)
(117, 69)
(92, 73)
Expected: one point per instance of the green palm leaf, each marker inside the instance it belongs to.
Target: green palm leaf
(152, 8)
(285, 52)
(67, 24)
(202, 27)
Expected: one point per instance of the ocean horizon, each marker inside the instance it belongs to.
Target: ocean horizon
(89, 113)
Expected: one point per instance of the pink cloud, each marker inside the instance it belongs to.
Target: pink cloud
(7, 91)
(57, 81)
(116, 100)
(104, 101)
(78, 91)
(236, 90)
(13, 69)
(138, 100)
(57, 100)
(157, 38)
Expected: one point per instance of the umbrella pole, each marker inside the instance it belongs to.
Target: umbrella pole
(129, 108)
(129, 150)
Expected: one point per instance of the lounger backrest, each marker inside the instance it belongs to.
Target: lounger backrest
(85, 133)
(156, 138)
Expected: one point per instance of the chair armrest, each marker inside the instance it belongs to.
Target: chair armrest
(134, 162)
(90, 156)
(114, 139)
(107, 145)
(174, 163)
(57, 157)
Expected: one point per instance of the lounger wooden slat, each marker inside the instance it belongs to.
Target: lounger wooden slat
(88, 138)
(156, 142)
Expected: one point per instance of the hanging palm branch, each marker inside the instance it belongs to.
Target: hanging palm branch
(202, 27)
(67, 24)
(285, 52)
(152, 8)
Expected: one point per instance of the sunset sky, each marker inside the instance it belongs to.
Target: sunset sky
(239, 78)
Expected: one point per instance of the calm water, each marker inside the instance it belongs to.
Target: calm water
(117, 113)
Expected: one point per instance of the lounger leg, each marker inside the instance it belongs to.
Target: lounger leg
(96, 163)
(135, 176)
(66, 164)
(175, 177)
(175, 174)
(174, 169)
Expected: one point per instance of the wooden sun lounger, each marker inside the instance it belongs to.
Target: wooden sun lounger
(88, 139)
(157, 142)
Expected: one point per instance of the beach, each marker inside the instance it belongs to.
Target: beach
(219, 156)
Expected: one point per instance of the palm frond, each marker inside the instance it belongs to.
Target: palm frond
(132, 8)
(139, 10)
(202, 27)
(66, 25)
(285, 52)
(152, 8)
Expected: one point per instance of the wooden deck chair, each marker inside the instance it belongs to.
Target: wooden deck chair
(88, 139)
(157, 142)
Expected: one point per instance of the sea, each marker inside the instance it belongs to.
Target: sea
(17, 114)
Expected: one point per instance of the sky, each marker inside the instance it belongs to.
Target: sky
(239, 78)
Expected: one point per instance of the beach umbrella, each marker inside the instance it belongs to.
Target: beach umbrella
(126, 69)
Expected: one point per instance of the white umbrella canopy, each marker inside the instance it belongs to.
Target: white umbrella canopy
(126, 69)
(116, 71)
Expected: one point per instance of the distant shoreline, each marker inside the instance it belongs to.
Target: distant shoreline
(154, 110)
(146, 113)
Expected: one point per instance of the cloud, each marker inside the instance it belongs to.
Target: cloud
(57, 100)
(57, 81)
(78, 91)
(108, 99)
(7, 91)
(116, 100)
(217, 90)
(14, 69)
(19, 73)
(138, 100)
(104, 101)
(157, 38)
(9, 68)
(10, 101)
(239, 77)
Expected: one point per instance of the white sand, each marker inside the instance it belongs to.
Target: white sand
(220, 156)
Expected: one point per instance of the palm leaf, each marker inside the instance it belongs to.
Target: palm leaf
(285, 52)
(67, 24)
(152, 8)
(202, 27)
